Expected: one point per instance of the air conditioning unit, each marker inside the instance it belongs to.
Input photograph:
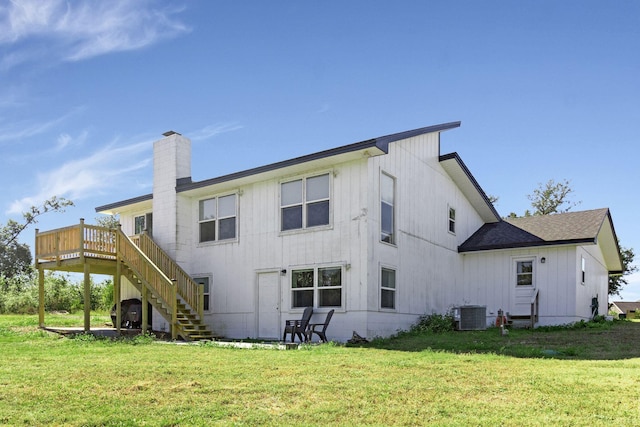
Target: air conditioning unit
(470, 317)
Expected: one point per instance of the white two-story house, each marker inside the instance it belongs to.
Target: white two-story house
(381, 231)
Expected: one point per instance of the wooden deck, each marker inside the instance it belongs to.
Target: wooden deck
(92, 249)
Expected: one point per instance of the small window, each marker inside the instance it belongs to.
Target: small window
(452, 220)
(143, 224)
(387, 203)
(316, 287)
(584, 270)
(387, 288)
(139, 224)
(304, 203)
(524, 273)
(217, 218)
(207, 292)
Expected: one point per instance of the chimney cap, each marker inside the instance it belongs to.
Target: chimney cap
(170, 132)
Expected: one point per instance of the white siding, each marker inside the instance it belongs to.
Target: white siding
(489, 279)
(261, 246)
(425, 256)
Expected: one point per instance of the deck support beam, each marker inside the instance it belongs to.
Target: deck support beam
(145, 309)
(87, 298)
(117, 282)
(41, 297)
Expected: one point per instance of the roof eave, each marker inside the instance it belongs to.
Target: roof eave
(112, 208)
(527, 245)
(470, 188)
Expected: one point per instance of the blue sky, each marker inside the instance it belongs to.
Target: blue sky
(544, 90)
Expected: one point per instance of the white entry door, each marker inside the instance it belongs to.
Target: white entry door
(269, 305)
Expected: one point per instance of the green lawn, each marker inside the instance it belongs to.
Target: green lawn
(575, 377)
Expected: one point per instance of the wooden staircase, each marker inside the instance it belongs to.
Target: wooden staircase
(160, 280)
(527, 320)
(168, 288)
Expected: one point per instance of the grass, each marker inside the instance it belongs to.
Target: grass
(585, 376)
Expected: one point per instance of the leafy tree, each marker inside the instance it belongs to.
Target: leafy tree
(15, 257)
(10, 232)
(108, 221)
(15, 260)
(616, 282)
(551, 198)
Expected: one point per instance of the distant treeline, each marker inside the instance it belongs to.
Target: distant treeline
(19, 294)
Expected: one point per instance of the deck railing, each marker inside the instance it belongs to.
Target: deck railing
(147, 272)
(535, 308)
(77, 241)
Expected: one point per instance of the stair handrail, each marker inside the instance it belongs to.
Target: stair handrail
(535, 307)
(144, 268)
(188, 289)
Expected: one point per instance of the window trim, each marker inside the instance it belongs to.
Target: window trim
(217, 219)
(451, 221)
(316, 288)
(394, 226)
(304, 203)
(518, 260)
(385, 288)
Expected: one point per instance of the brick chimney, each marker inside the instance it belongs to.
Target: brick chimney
(171, 163)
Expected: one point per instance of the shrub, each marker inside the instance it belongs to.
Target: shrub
(434, 323)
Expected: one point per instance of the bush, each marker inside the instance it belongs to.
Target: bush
(19, 295)
(434, 323)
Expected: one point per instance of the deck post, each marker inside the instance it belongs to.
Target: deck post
(201, 301)
(87, 281)
(174, 310)
(87, 298)
(41, 297)
(117, 281)
(40, 287)
(145, 309)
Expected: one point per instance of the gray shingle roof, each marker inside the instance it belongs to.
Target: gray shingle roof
(565, 228)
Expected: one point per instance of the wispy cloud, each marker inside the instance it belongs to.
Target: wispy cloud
(65, 140)
(106, 169)
(214, 130)
(77, 30)
(27, 129)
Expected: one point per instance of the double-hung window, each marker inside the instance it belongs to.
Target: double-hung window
(387, 288)
(304, 203)
(316, 287)
(452, 220)
(217, 218)
(583, 266)
(387, 203)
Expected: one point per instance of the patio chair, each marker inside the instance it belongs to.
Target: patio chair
(298, 327)
(322, 327)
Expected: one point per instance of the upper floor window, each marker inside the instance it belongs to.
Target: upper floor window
(304, 203)
(143, 223)
(217, 218)
(452, 220)
(524, 273)
(387, 203)
(316, 287)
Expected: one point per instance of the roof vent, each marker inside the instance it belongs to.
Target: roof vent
(170, 132)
